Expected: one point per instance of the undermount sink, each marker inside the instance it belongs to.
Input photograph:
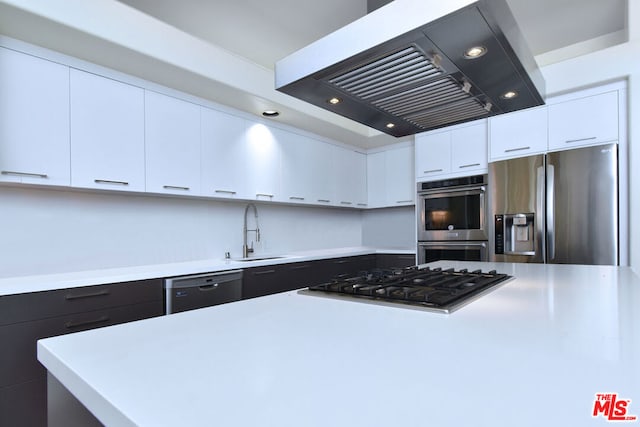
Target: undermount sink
(257, 258)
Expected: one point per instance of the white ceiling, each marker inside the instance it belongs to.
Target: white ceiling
(259, 33)
(265, 32)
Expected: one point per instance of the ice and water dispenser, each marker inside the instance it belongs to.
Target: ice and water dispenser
(514, 234)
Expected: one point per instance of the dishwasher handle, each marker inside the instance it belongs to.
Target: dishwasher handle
(203, 281)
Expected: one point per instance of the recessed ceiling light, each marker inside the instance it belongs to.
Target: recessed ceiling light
(390, 125)
(475, 52)
(270, 113)
(334, 101)
(509, 95)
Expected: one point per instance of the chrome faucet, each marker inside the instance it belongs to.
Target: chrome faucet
(246, 250)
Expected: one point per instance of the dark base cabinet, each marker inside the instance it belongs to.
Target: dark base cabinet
(24, 404)
(260, 281)
(395, 260)
(25, 318)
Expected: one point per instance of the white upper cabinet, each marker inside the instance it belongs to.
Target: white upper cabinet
(350, 172)
(107, 133)
(34, 120)
(261, 163)
(401, 189)
(323, 180)
(469, 149)
(518, 134)
(457, 151)
(391, 178)
(433, 154)
(377, 179)
(172, 141)
(583, 121)
(305, 162)
(223, 155)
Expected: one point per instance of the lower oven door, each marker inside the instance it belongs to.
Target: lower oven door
(452, 251)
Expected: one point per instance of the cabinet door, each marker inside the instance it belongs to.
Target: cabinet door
(298, 167)
(399, 176)
(24, 404)
(377, 179)
(323, 181)
(172, 141)
(223, 159)
(262, 163)
(469, 149)
(306, 163)
(34, 120)
(433, 155)
(391, 178)
(585, 121)
(350, 171)
(107, 133)
(518, 134)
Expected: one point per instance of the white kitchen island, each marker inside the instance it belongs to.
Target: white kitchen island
(533, 352)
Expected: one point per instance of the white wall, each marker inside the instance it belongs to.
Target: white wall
(389, 228)
(51, 231)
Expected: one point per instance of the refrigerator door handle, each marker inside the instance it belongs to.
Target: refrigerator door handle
(539, 218)
(551, 240)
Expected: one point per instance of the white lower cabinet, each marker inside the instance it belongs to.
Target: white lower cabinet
(518, 134)
(172, 140)
(390, 178)
(223, 155)
(34, 120)
(107, 133)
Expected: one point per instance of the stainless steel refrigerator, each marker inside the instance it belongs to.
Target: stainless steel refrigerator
(559, 208)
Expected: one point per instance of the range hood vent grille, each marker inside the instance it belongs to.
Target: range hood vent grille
(390, 73)
(465, 109)
(411, 86)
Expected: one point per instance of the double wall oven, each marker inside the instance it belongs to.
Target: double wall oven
(452, 219)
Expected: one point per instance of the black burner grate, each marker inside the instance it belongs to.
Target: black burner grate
(434, 289)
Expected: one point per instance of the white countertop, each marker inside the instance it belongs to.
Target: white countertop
(533, 352)
(46, 282)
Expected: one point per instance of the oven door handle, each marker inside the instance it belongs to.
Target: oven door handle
(453, 244)
(466, 190)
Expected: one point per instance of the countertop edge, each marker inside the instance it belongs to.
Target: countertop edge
(47, 282)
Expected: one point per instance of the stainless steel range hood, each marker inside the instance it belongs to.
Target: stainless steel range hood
(405, 68)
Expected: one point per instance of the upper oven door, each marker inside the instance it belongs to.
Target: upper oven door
(452, 214)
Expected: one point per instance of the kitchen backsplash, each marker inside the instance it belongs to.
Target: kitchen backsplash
(45, 231)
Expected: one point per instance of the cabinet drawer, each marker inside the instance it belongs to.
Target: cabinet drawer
(260, 281)
(41, 305)
(348, 265)
(395, 260)
(18, 360)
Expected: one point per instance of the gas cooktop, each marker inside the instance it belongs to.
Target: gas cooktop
(440, 290)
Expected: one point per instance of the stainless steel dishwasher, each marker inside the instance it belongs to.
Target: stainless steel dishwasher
(202, 290)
